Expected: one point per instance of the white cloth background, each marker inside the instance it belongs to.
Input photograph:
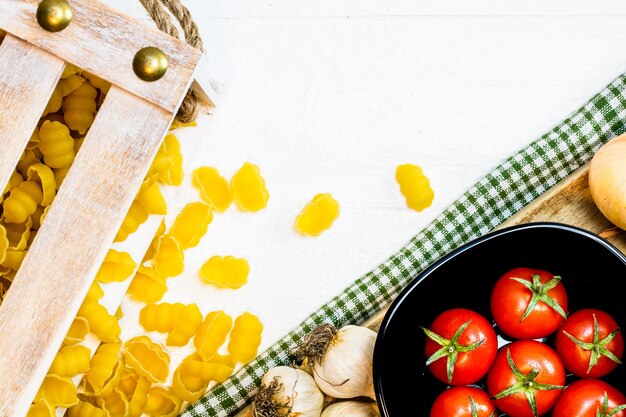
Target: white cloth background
(330, 96)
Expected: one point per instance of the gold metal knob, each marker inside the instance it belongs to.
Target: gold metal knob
(54, 15)
(150, 64)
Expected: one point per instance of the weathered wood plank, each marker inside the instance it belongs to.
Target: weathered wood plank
(71, 244)
(28, 76)
(568, 202)
(104, 41)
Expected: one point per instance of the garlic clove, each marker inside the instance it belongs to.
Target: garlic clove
(287, 391)
(351, 408)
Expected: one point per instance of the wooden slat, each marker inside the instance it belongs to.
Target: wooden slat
(103, 41)
(568, 202)
(28, 76)
(71, 244)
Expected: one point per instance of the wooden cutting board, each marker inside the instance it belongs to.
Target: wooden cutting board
(567, 202)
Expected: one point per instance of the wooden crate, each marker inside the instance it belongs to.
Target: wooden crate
(63, 259)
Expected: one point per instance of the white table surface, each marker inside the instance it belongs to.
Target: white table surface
(330, 96)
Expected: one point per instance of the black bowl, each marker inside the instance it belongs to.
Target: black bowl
(592, 270)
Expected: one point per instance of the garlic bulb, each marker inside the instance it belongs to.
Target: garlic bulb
(607, 180)
(341, 360)
(351, 409)
(288, 392)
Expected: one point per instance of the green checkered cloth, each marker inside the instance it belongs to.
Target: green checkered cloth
(500, 194)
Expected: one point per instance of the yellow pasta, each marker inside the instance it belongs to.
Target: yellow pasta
(245, 338)
(57, 391)
(79, 108)
(115, 404)
(128, 382)
(94, 293)
(248, 187)
(168, 162)
(186, 386)
(55, 102)
(151, 197)
(160, 317)
(56, 145)
(101, 322)
(71, 361)
(139, 398)
(69, 70)
(225, 271)
(136, 216)
(13, 259)
(97, 82)
(22, 202)
(4, 243)
(77, 331)
(27, 159)
(19, 234)
(70, 84)
(169, 259)
(116, 267)
(43, 175)
(218, 369)
(59, 175)
(162, 403)
(15, 180)
(147, 358)
(185, 327)
(147, 286)
(105, 369)
(40, 408)
(191, 224)
(212, 334)
(213, 188)
(85, 409)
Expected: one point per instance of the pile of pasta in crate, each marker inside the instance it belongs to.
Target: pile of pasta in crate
(116, 377)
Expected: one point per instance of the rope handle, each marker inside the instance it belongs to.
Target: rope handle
(188, 111)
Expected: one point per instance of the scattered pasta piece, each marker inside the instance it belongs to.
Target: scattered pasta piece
(102, 85)
(212, 334)
(94, 294)
(187, 387)
(40, 408)
(248, 188)
(214, 188)
(101, 323)
(57, 391)
(115, 404)
(19, 234)
(55, 102)
(69, 70)
(185, 327)
(138, 400)
(225, 271)
(160, 232)
(71, 361)
(22, 202)
(43, 175)
(168, 162)
(218, 369)
(169, 259)
(160, 317)
(162, 403)
(147, 286)
(318, 215)
(147, 358)
(136, 216)
(191, 224)
(414, 186)
(151, 197)
(116, 267)
(128, 382)
(4, 243)
(56, 145)
(77, 331)
(105, 369)
(70, 84)
(85, 409)
(245, 338)
(79, 108)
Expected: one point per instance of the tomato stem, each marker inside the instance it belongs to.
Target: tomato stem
(540, 293)
(605, 412)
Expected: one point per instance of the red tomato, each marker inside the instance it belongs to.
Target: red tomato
(590, 398)
(460, 346)
(463, 402)
(526, 379)
(590, 343)
(528, 303)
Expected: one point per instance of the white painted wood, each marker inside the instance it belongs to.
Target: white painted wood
(25, 71)
(104, 41)
(70, 246)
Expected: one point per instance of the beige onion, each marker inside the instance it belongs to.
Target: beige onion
(607, 180)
